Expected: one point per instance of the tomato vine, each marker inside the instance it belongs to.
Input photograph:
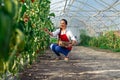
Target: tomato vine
(21, 33)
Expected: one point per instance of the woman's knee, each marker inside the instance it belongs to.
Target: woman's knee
(52, 46)
(58, 48)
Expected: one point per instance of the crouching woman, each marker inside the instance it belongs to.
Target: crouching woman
(65, 36)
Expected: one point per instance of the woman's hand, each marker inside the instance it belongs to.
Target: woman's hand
(69, 45)
(47, 31)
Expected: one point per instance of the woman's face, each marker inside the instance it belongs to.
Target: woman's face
(62, 24)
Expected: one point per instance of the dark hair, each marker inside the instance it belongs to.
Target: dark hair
(64, 21)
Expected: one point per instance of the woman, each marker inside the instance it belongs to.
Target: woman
(64, 35)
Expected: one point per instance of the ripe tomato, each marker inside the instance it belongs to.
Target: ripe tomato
(22, 1)
(25, 18)
(37, 51)
(32, 1)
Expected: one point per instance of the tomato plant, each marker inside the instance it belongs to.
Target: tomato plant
(21, 33)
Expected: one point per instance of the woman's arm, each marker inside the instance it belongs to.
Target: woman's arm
(54, 34)
(47, 31)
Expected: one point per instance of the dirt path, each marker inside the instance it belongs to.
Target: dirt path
(84, 64)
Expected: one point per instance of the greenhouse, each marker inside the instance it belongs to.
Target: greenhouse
(95, 16)
(59, 39)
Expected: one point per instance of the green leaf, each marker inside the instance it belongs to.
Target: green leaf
(52, 15)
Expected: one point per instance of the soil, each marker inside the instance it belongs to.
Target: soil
(84, 64)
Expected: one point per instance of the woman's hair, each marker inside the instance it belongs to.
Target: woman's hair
(64, 21)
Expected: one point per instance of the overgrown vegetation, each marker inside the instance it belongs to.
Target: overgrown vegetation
(109, 41)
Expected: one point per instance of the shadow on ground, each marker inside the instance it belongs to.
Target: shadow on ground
(84, 64)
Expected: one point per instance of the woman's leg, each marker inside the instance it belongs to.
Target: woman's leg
(62, 50)
(53, 46)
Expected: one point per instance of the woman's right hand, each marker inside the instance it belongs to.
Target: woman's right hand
(47, 31)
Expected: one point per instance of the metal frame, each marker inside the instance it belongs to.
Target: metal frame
(94, 16)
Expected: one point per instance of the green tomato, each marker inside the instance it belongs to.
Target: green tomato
(20, 40)
(8, 6)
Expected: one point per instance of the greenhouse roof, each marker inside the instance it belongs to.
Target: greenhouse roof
(98, 15)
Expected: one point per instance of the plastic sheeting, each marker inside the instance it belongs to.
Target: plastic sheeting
(93, 15)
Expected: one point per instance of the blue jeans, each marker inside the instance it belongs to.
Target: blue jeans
(58, 49)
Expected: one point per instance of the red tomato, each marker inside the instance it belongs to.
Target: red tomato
(32, 1)
(37, 51)
(22, 1)
(25, 18)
